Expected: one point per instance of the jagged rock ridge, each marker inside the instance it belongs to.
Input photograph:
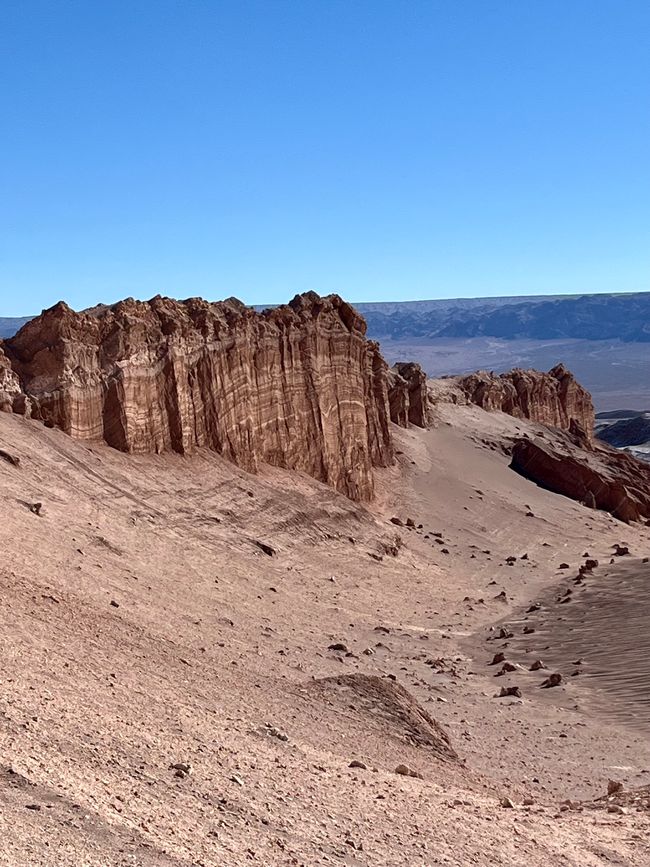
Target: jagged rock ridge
(555, 398)
(298, 386)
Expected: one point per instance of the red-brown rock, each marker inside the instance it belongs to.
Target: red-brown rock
(298, 386)
(600, 478)
(554, 398)
(408, 395)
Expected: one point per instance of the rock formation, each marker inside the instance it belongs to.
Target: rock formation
(298, 386)
(599, 478)
(554, 398)
(408, 395)
(10, 391)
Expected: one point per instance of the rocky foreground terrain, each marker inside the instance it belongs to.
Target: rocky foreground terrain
(218, 658)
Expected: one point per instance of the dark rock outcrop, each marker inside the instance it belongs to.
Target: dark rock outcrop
(627, 432)
(298, 386)
(554, 398)
(599, 478)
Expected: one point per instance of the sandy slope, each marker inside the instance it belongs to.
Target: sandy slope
(209, 657)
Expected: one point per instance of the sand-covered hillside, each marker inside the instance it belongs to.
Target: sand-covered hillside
(193, 657)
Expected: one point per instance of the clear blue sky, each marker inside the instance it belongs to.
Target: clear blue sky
(383, 150)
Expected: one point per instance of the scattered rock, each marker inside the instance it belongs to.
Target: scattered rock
(36, 508)
(115, 604)
(10, 459)
(613, 786)
(507, 803)
(564, 566)
(537, 665)
(405, 771)
(497, 658)
(263, 546)
(554, 680)
(620, 550)
(505, 669)
(509, 691)
(397, 521)
(274, 732)
(338, 646)
(355, 763)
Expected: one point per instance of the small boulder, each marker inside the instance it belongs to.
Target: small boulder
(509, 691)
(405, 771)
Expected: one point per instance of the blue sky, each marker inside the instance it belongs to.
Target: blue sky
(383, 150)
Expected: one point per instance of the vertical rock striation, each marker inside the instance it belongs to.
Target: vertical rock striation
(555, 398)
(298, 386)
(408, 395)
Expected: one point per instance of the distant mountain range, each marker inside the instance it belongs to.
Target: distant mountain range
(9, 326)
(542, 317)
(588, 317)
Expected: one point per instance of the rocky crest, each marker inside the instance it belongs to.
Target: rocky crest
(555, 398)
(298, 386)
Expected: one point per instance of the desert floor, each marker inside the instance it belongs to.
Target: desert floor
(144, 626)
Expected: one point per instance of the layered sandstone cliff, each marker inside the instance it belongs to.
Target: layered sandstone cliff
(555, 398)
(298, 386)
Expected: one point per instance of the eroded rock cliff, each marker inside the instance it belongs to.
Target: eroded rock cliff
(600, 478)
(408, 395)
(555, 398)
(298, 386)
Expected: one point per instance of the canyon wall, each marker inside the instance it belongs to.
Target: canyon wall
(554, 398)
(298, 386)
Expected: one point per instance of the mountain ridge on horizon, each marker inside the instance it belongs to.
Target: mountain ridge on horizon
(595, 316)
